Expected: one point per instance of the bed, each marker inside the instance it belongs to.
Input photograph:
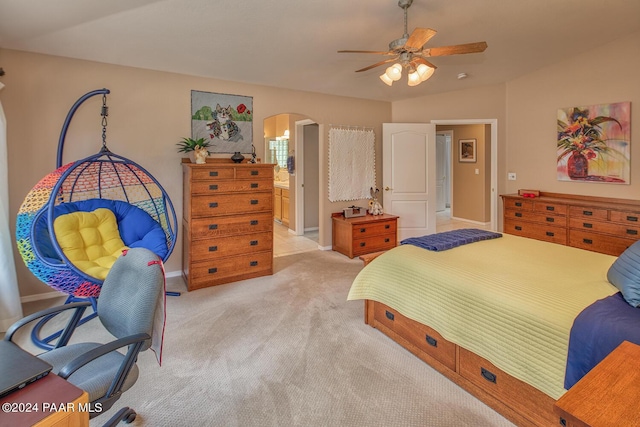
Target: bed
(494, 316)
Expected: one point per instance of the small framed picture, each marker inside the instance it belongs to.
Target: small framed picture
(467, 150)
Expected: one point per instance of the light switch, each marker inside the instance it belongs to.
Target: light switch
(477, 171)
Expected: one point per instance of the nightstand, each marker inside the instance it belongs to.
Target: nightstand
(608, 395)
(365, 234)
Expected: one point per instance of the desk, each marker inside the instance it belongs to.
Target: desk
(44, 398)
(608, 395)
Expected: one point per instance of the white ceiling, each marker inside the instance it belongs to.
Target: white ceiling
(294, 43)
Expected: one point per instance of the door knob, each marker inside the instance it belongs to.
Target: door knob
(387, 188)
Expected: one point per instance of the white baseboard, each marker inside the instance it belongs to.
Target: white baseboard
(470, 221)
(311, 229)
(325, 248)
(169, 274)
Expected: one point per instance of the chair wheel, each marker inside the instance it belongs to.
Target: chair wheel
(130, 417)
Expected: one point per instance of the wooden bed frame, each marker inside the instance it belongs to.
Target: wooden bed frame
(517, 401)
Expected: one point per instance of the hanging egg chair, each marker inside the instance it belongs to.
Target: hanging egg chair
(76, 220)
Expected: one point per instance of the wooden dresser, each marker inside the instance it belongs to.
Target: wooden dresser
(227, 222)
(598, 224)
(363, 235)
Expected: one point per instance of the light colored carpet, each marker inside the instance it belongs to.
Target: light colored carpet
(288, 350)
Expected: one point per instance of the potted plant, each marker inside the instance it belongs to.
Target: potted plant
(196, 148)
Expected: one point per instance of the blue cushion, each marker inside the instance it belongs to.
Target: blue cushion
(136, 227)
(624, 274)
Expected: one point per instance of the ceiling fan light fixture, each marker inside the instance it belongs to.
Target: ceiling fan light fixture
(414, 79)
(386, 79)
(394, 72)
(425, 72)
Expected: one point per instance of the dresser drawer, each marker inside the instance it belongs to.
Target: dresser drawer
(225, 204)
(255, 172)
(545, 232)
(423, 337)
(374, 228)
(519, 204)
(550, 208)
(619, 230)
(214, 187)
(373, 244)
(515, 393)
(202, 173)
(232, 245)
(538, 217)
(213, 272)
(624, 217)
(602, 243)
(589, 213)
(206, 228)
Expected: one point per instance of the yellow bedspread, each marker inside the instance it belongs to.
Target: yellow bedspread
(510, 300)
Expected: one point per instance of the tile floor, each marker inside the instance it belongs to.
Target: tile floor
(285, 243)
(444, 222)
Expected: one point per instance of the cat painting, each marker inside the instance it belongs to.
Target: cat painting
(222, 126)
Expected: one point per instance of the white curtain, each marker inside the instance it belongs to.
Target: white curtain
(10, 308)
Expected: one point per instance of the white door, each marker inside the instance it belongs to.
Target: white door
(409, 176)
(441, 174)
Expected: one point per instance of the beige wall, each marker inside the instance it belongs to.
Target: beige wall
(526, 109)
(149, 112)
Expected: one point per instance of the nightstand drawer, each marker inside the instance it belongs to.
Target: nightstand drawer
(374, 228)
(373, 244)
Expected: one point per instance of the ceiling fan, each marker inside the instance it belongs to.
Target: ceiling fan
(409, 52)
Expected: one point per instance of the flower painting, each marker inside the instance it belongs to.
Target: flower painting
(593, 143)
(225, 121)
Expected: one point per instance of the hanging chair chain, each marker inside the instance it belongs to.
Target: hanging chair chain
(104, 114)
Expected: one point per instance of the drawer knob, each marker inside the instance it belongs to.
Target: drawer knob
(213, 270)
(632, 218)
(213, 173)
(253, 263)
(362, 230)
(362, 244)
(253, 243)
(254, 202)
(431, 341)
(587, 241)
(551, 208)
(518, 214)
(587, 225)
(389, 315)
(213, 204)
(213, 248)
(254, 173)
(550, 233)
(488, 375)
(254, 222)
(387, 226)
(254, 185)
(213, 226)
(550, 219)
(587, 213)
(518, 228)
(213, 187)
(633, 232)
(387, 240)
(518, 204)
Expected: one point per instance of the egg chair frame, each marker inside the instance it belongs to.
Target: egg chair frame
(104, 177)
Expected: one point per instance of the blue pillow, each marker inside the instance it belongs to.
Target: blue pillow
(624, 274)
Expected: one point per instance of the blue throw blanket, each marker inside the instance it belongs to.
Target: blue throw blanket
(597, 331)
(450, 239)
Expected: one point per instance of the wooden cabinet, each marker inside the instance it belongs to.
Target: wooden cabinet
(363, 235)
(597, 224)
(227, 222)
(608, 394)
(281, 205)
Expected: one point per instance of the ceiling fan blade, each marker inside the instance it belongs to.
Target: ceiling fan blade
(417, 60)
(377, 64)
(456, 50)
(367, 51)
(419, 37)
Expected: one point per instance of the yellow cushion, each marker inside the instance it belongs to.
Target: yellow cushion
(90, 240)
